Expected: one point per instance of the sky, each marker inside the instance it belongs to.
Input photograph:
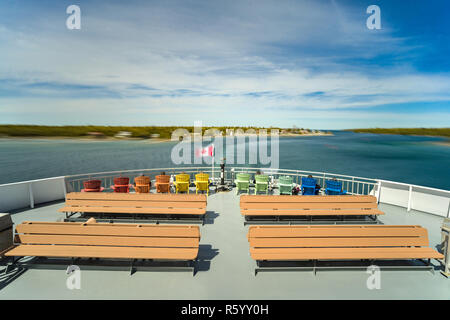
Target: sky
(312, 64)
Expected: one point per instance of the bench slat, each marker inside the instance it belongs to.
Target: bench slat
(66, 251)
(336, 231)
(315, 212)
(136, 196)
(169, 242)
(131, 210)
(337, 242)
(137, 204)
(343, 253)
(305, 199)
(309, 205)
(100, 229)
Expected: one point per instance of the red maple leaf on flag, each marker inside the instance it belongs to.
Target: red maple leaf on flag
(205, 152)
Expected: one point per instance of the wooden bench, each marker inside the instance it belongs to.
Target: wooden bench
(309, 208)
(315, 244)
(75, 240)
(117, 205)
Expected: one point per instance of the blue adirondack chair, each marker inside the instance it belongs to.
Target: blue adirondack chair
(309, 186)
(334, 188)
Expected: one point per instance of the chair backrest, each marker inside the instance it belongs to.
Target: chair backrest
(92, 186)
(202, 177)
(262, 178)
(121, 184)
(337, 185)
(162, 179)
(142, 181)
(121, 181)
(244, 177)
(309, 182)
(182, 177)
(285, 180)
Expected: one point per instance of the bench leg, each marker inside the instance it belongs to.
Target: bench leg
(255, 271)
(314, 267)
(132, 269)
(12, 264)
(194, 266)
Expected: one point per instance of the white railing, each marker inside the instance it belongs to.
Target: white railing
(24, 194)
(412, 197)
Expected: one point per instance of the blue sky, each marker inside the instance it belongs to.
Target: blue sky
(262, 63)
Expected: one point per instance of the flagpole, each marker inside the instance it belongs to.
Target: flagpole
(213, 154)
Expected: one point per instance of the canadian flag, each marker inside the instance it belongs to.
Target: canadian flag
(205, 152)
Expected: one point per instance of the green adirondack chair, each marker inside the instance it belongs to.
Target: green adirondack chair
(285, 185)
(262, 183)
(242, 182)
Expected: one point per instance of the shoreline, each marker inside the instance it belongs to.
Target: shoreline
(87, 139)
(416, 132)
(306, 134)
(444, 143)
(150, 140)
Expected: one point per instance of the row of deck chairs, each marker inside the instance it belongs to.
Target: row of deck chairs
(309, 185)
(142, 184)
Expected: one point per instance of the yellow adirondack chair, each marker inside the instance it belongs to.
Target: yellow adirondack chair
(202, 183)
(182, 182)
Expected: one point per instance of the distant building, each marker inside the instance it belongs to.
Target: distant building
(155, 135)
(123, 134)
(96, 134)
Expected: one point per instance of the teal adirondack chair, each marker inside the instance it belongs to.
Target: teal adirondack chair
(242, 182)
(285, 185)
(262, 183)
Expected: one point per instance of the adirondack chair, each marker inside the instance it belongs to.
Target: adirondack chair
(202, 183)
(92, 186)
(262, 183)
(334, 188)
(182, 182)
(309, 186)
(121, 185)
(242, 182)
(285, 185)
(162, 184)
(142, 184)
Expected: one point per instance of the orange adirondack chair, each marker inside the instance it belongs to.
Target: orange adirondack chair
(162, 184)
(142, 184)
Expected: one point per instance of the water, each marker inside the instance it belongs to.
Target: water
(409, 159)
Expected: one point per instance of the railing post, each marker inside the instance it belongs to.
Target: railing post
(409, 198)
(353, 184)
(323, 179)
(64, 187)
(378, 191)
(448, 210)
(30, 191)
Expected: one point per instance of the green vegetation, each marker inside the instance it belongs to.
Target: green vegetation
(99, 131)
(443, 132)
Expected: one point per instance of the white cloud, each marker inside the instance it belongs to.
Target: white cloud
(205, 59)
